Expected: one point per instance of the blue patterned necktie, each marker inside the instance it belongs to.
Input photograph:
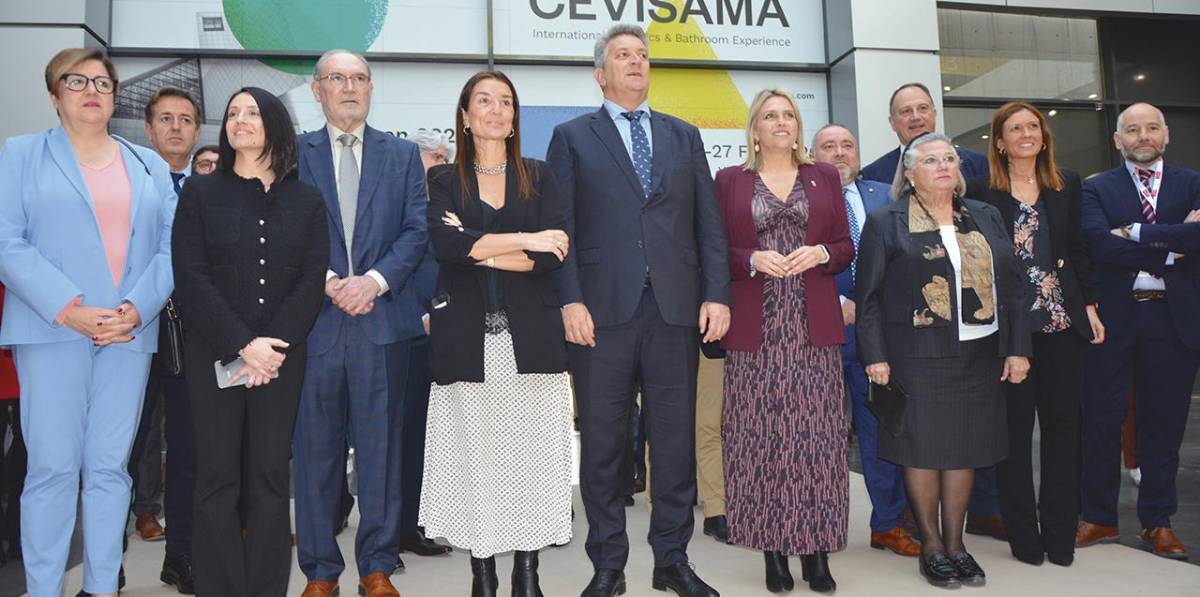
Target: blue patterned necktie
(641, 149)
(855, 234)
(177, 180)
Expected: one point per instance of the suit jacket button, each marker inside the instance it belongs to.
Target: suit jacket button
(262, 261)
(1060, 263)
(261, 301)
(262, 241)
(640, 244)
(261, 282)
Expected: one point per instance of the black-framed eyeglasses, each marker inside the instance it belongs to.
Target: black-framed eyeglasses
(78, 82)
(339, 79)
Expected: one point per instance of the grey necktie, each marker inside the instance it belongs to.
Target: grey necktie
(348, 192)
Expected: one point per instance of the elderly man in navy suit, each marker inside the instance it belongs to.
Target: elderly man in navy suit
(1142, 222)
(649, 279)
(358, 351)
(834, 144)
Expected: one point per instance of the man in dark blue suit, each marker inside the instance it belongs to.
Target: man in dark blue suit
(358, 350)
(1142, 222)
(834, 144)
(649, 264)
(912, 113)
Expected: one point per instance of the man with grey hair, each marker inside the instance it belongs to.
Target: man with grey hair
(1142, 223)
(359, 349)
(650, 280)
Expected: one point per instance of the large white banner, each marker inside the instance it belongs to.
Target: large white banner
(773, 31)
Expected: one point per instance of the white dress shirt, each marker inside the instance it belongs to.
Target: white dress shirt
(357, 149)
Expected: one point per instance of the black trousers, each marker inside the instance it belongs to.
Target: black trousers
(664, 358)
(179, 497)
(12, 480)
(416, 413)
(242, 433)
(1044, 522)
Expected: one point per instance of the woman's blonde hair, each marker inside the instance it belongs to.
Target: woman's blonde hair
(67, 59)
(799, 152)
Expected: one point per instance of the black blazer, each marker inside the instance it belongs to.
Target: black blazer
(248, 263)
(618, 234)
(456, 317)
(884, 281)
(1068, 247)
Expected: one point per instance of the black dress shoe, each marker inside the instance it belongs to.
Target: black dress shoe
(815, 569)
(939, 570)
(483, 577)
(714, 526)
(628, 501)
(399, 565)
(639, 478)
(177, 572)
(779, 578)
(525, 574)
(1061, 559)
(120, 584)
(422, 546)
(969, 571)
(683, 580)
(606, 582)
(1033, 559)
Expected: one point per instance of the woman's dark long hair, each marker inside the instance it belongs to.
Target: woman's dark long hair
(465, 157)
(278, 130)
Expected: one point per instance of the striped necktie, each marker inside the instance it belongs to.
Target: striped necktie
(1146, 176)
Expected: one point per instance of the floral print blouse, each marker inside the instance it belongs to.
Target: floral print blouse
(1032, 241)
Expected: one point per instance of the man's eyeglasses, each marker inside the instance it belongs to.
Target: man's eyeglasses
(78, 82)
(338, 79)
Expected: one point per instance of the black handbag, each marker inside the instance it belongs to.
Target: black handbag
(170, 342)
(887, 403)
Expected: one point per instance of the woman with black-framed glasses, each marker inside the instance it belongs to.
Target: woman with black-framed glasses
(85, 229)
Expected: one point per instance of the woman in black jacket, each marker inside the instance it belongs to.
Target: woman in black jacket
(498, 444)
(1040, 205)
(250, 248)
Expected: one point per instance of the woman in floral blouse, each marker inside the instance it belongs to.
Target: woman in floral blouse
(1041, 204)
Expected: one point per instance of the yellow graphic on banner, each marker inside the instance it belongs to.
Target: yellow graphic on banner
(707, 98)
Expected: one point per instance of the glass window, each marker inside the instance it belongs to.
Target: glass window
(1081, 136)
(1153, 60)
(213, 23)
(999, 55)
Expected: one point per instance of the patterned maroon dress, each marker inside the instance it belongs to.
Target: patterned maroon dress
(784, 431)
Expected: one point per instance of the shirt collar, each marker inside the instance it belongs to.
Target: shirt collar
(614, 110)
(1155, 167)
(186, 172)
(852, 187)
(335, 132)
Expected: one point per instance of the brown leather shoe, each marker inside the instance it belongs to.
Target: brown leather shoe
(377, 584)
(321, 588)
(991, 526)
(148, 528)
(898, 541)
(1092, 534)
(1163, 542)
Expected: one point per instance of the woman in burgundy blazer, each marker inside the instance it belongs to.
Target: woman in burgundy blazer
(783, 421)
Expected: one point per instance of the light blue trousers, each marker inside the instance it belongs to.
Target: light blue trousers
(79, 412)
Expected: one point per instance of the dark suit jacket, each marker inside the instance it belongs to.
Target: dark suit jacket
(1110, 200)
(529, 297)
(826, 225)
(1067, 247)
(235, 282)
(874, 196)
(616, 233)
(886, 268)
(884, 169)
(389, 235)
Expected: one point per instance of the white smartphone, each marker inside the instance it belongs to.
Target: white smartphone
(225, 373)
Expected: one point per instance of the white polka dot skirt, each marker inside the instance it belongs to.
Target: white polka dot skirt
(498, 458)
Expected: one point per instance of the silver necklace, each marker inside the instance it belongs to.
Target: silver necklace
(499, 169)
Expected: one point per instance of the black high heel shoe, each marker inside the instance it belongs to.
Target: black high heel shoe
(525, 574)
(779, 578)
(483, 577)
(815, 570)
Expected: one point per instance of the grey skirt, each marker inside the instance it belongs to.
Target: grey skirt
(956, 417)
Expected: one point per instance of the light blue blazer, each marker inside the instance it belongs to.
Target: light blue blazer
(50, 245)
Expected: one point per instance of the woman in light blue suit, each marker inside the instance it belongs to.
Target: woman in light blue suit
(85, 236)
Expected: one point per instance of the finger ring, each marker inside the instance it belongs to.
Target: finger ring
(558, 243)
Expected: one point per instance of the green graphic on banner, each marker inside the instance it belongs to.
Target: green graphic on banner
(304, 25)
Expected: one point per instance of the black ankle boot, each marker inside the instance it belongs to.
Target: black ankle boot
(525, 574)
(779, 578)
(815, 568)
(483, 577)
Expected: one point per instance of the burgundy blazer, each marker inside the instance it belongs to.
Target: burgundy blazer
(827, 225)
